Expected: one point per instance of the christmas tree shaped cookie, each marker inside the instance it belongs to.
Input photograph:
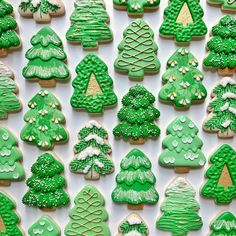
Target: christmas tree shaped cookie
(44, 121)
(46, 59)
(92, 86)
(135, 182)
(46, 185)
(9, 102)
(183, 21)
(41, 10)
(133, 224)
(182, 146)
(221, 176)
(10, 158)
(8, 218)
(136, 7)
(88, 216)
(224, 224)
(137, 116)
(9, 39)
(92, 152)
(45, 226)
(182, 81)
(226, 5)
(222, 108)
(179, 209)
(221, 47)
(89, 25)
(137, 51)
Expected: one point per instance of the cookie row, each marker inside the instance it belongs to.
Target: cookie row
(89, 216)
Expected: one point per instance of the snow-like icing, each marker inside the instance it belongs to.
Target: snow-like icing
(35, 3)
(93, 123)
(191, 156)
(180, 185)
(227, 80)
(7, 168)
(86, 169)
(232, 110)
(88, 152)
(187, 139)
(98, 163)
(38, 231)
(226, 123)
(133, 233)
(224, 107)
(98, 139)
(177, 127)
(228, 225)
(229, 95)
(134, 220)
(53, 2)
(5, 71)
(168, 160)
(5, 152)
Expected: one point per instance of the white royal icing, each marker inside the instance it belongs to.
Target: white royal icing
(133, 233)
(5, 71)
(228, 95)
(227, 80)
(134, 220)
(98, 139)
(168, 160)
(88, 152)
(93, 123)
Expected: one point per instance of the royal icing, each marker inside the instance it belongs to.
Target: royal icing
(183, 20)
(137, 116)
(10, 157)
(9, 102)
(46, 185)
(44, 121)
(181, 206)
(46, 57)
(89, 25)
(133, 225)
(136, 7)
(182, 81)
(221, 176)
(8, 217)
(45, 226)
(92, 86)
(88, 216)
(220, 47)
(92, 152)
(224, 224)
(182, 145)
(137, 51)
(222, 108)
(135, 182)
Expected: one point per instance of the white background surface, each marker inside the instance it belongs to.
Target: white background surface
(76, 120)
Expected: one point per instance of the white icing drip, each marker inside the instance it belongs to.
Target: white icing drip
(88, 152)
(190, 156)
(93, 123)
(229, 95)
(177, 127)
(228, 225)
(226, 123)
(50, 228)
(5, 71)
(175, 143)
(98, 163)
(232, 110)
(202, 163)
(38, 231)
(86, 169)
(5, 152)
(227, 80)
(98, 139)
(7, 168)
(134, 220)
(187, 139)
(224, 107)
(35, 3)
(168, 160)
(133, 233)
(182, 119)
(179, 186)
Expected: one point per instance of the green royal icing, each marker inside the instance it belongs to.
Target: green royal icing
(137, 51)
(183, 20)
(89, 25)
(136, 7)
(135, 182)
(179, 209)
(10, 157)
(222, 54)
(221, 176)
(92, 152)
(224, 225)
(44, 121)
(9, 102)
(8, 217)
(45, 226)
(227, 5)
(46, 57)
(137, 116)
(88, 216)
(46, 184)
(92, 86)
(222, 108)
(182, 81)
(182, 145)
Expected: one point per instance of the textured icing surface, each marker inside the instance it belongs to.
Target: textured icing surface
(9, 219)
(135, 181)
(137, 51)
(221, 45)
(179, 209)
(182, 145)
(10, 157)
(182, 81)
(88, 216)
(228, 5)
(224, 159)
(92, 152)
(137, 116)
(44, 121)
(45, 226)
(46, 184)
(222, 108)
(92, 86)
(180, 27)
(46, 57)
